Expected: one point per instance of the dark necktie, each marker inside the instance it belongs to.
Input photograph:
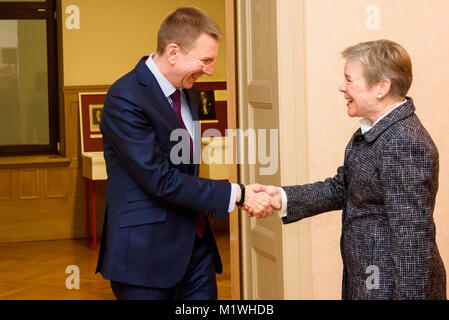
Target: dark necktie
(176, 98)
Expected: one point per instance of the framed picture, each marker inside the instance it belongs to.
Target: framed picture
(90, 111)
(206, 108)
(212, 106)
(95, 111)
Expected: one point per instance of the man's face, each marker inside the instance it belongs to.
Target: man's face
(191, 64)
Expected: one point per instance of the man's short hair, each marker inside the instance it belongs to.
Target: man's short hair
(183, 27)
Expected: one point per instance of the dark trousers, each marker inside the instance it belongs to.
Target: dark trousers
(199, 282)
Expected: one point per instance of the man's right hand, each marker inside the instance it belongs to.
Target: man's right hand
(262, 200)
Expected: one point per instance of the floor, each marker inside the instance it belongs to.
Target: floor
(37, 271)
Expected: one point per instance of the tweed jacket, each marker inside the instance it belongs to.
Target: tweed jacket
(386, 189)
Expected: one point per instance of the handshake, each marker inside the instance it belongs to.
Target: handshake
(261, 200)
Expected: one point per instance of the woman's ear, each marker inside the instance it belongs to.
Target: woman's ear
(384, 87)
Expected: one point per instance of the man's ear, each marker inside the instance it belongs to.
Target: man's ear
(172, 51)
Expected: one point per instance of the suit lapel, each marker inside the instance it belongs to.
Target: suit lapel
(192, 100)
(154, 93)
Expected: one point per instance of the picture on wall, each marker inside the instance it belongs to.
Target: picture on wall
(95, 111)
(90, 111)
(212, 106)
(206, 109)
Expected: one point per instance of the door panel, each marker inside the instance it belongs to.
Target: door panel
(258, 109)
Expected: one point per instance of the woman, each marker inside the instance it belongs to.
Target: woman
(386, 187)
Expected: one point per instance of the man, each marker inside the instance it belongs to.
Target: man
(157, 242)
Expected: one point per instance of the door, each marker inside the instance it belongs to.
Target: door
(276, 258)
(261, 240)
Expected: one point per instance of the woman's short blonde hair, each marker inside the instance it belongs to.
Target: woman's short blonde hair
(383, 59)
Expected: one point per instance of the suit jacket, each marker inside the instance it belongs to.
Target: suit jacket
(386, 188)
(151, 203)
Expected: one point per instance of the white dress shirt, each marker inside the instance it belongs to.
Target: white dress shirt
(168, 89)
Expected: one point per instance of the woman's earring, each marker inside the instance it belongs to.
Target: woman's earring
(379, 96)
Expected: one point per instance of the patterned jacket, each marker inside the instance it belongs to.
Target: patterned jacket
(386, 188)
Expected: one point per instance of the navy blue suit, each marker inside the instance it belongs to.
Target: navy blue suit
(151, 204)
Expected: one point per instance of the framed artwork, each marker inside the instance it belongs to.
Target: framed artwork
(206, 108)
(90, 111)
(212, 106)
(95, 111)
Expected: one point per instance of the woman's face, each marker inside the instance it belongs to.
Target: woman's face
(360, 98)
